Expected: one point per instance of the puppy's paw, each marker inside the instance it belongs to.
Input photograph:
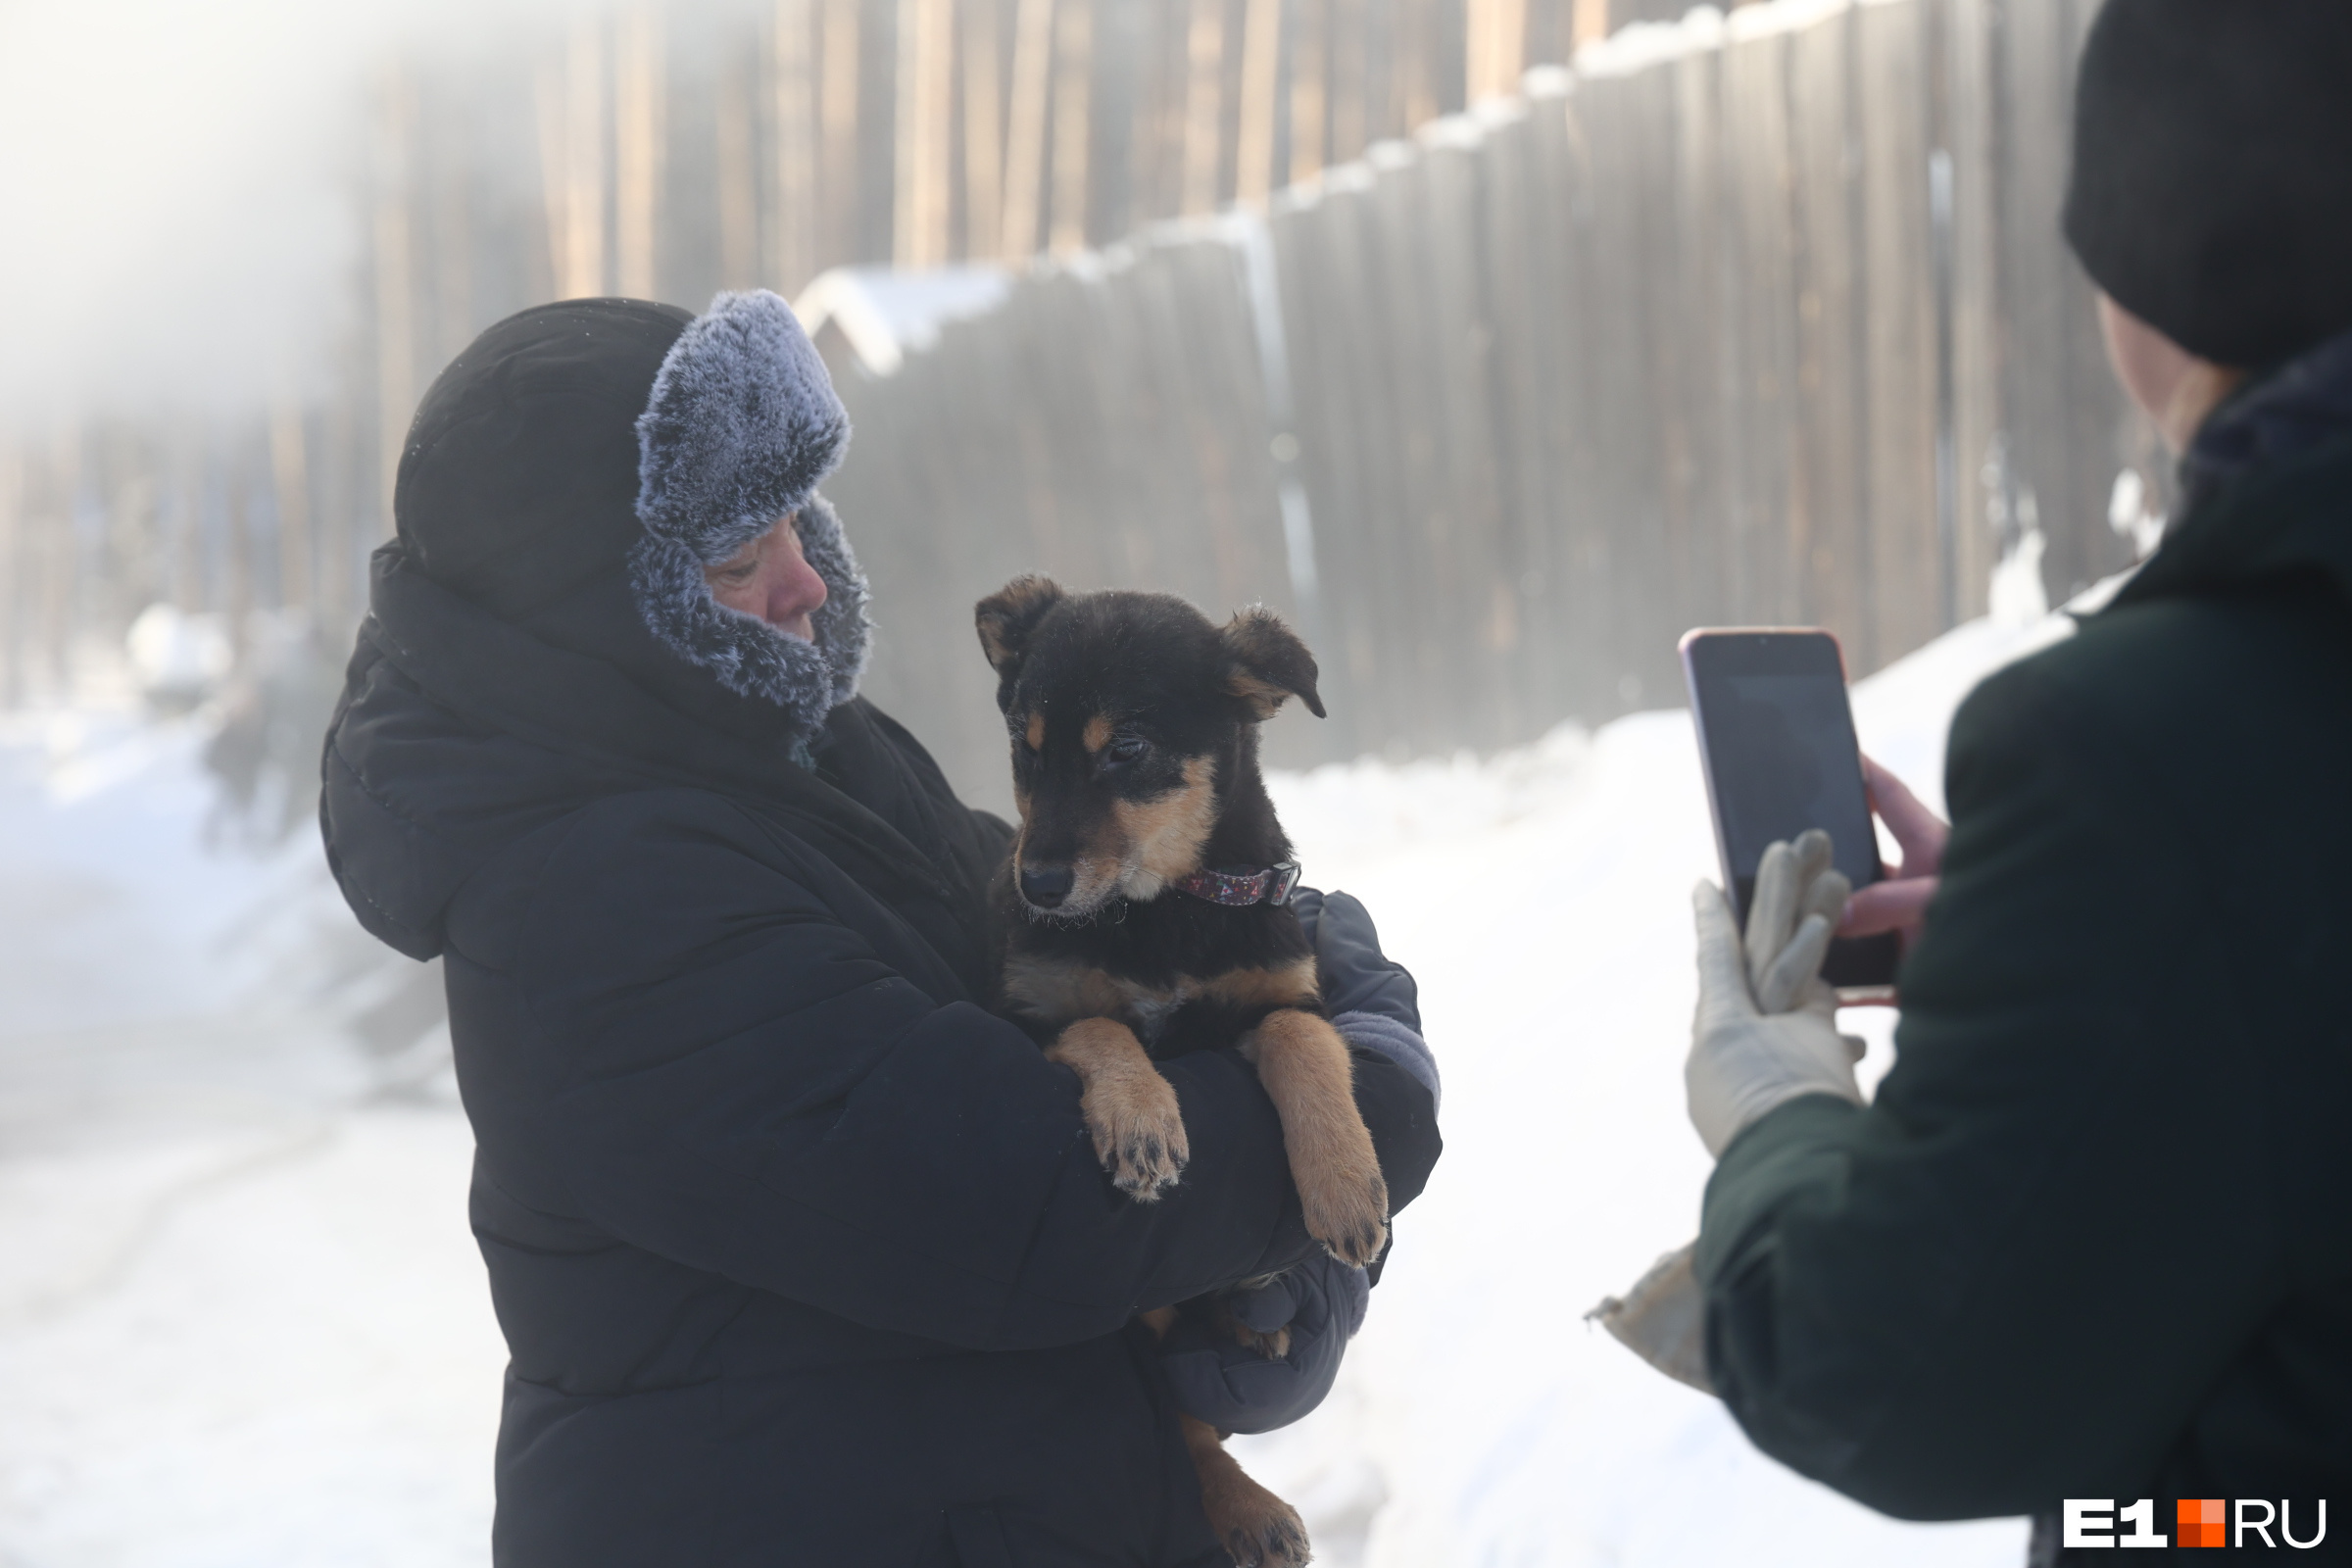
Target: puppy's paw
(1348, 1211)
(1273, 1347)
(1223, 1319)
(1259, 1529)
(1148, 1163)
(1265, 1533)
(1138, 1134)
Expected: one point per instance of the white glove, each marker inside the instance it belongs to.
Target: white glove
(1765, 1034)
(1663, 1319)
(1765, 1029)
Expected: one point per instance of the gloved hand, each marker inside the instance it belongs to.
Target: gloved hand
(1765, 1034)
(1235, 1388)
(1663, 1319)
(1371, 998)
(1766, 1030)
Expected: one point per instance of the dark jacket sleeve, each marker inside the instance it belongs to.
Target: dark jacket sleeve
(724, 1071)
(2013, 1276)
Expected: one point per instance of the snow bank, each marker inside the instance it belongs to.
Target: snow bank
(242, 1323)
(135, 897)
(299, 1370)
(1543, 898)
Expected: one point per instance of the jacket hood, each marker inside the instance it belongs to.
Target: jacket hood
(540, 633)
(576, 468)
(2268, 483)
(460, 734)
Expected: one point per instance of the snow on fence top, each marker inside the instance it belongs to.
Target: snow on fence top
(1681, 335)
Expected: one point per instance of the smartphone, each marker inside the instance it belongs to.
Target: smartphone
(1776, 740)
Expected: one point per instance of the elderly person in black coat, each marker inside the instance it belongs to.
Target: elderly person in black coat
(802, 1256)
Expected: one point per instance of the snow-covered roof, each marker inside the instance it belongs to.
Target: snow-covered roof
(885, 314)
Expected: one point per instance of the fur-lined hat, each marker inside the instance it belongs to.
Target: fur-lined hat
(740, 426)
(581, 452)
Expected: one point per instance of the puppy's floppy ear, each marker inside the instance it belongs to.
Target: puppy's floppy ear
(1265, 662)
(1007, 616)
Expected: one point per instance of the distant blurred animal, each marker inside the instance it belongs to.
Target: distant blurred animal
(1144, 911)
(273, 715)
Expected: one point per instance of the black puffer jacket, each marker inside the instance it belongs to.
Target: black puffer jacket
(802, 1257)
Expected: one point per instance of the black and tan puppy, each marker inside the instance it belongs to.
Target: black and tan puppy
(1145, 912)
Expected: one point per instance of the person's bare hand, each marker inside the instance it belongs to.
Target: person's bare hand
(1900, 902)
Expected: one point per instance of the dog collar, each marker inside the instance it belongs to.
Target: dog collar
(1273, 885)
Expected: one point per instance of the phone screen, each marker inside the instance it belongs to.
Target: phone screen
(1778, 738)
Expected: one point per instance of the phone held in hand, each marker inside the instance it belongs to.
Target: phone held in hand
(1776, 740)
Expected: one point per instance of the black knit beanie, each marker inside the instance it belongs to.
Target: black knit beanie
(2212, 190)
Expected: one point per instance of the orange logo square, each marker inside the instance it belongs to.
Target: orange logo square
(2204, 1522)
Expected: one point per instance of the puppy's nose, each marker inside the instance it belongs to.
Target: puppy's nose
(1048, 887)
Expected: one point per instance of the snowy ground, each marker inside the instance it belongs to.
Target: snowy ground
(242, 1324)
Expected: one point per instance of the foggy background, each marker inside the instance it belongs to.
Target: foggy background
(1494, 370)
(180, 187)
(1493, 342)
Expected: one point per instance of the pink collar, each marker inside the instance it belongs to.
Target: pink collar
(1273, 885)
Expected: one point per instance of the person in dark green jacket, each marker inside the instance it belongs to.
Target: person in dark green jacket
(2092, 1240)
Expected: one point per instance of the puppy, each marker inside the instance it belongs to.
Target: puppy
(1145, 912)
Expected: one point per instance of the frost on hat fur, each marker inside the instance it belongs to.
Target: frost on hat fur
(740, 427)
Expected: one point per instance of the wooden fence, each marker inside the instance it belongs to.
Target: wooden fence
(670, 148)
(1762, 319)
(1756, 318)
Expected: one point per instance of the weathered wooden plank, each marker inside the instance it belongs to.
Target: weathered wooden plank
(1477, 612)
(1642, 355)
(1901, 502)
(1390, 526)
(1528, 215)
(1586, 558)
(2066, 431)
(1971, 134)
(1826, 495)
(1325, 464)
(1761, 303)
(1706, 353)
(1507, 225)
(1422, 590)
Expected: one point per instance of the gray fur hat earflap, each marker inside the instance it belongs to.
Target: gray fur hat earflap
(742, 424)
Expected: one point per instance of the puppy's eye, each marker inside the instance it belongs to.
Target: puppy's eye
(1126, 750)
